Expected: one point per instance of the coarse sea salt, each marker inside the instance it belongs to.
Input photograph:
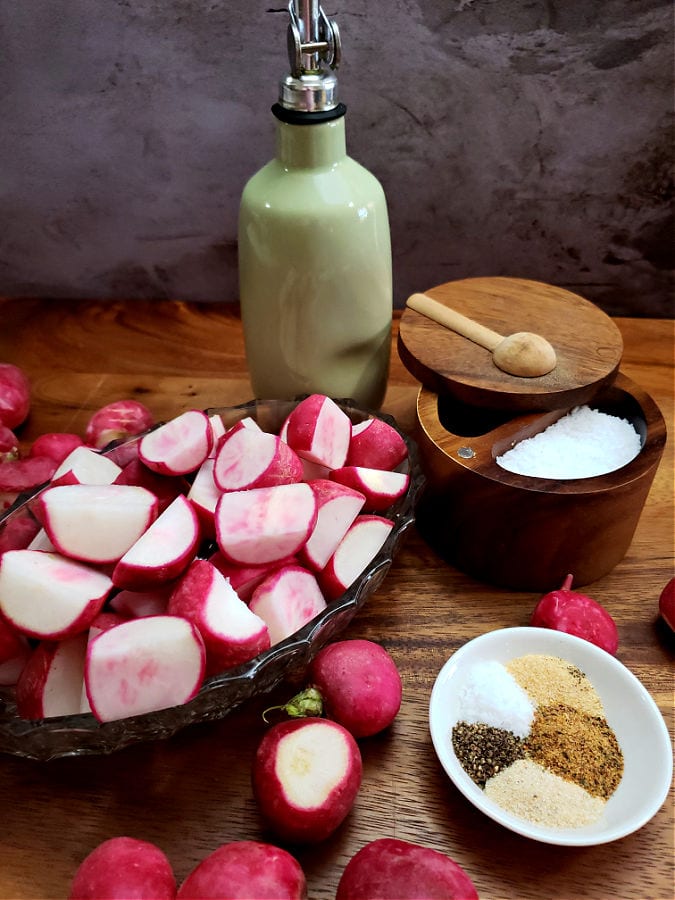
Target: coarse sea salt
(490, 694)
(582, 444)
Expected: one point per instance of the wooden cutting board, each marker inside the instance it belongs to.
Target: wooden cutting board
(587, 343)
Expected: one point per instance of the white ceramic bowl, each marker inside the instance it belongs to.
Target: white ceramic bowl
(630, 711)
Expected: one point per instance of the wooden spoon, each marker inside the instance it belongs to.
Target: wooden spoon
(522, 353)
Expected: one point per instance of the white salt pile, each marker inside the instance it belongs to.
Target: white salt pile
(583, 443)
(490, 694)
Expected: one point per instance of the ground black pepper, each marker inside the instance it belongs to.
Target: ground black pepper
(483, 750)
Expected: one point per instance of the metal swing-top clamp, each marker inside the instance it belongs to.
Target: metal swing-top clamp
(314, 52)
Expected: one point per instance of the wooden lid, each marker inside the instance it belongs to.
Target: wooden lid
(587, 343)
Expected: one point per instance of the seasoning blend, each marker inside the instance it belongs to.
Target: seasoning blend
(314, 245)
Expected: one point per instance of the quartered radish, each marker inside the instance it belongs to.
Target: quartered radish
(286, 600)
(45, 595)
(376, 445)
(86, 466)
(232, 632)
(355, 551)
(163, 551)
(247, 458)
(245, 579)
(337, 507)
(51, 681)
(179, 446)
(143, 665)
(164, 487)
(204, 495)
(102, 622)
(264, 525)
(379, 488)
(306, 776)
(124, 867)
(318, 430)
(135, 604)
(96, 523)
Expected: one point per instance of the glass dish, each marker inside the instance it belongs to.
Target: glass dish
(79, 735)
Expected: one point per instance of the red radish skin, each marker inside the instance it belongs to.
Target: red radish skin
(15, 394)
(43, 595)
(179, 446)
(246, 870)
(376, 445)
(57, 445)
(18, 532)
(124, 868)
(245, 579)
(232, 633)
(117, 420)
(306, 777)
(96, 523)
(356, 550)
(400, 870)
(9, 445)
(667, 604)
(163, 551)
(265, 525)
(319, 431)
(143, 665)
(337, 507)
(247, 458)
(287, 600)
(19, 475)
(164, 487)
(86, 466)
(51, 681)
(360, 685)
(204, 495)
(379, 488)
(573, 613)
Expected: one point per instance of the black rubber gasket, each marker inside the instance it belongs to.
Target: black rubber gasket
(296, 117)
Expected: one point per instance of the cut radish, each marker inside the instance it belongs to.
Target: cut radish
(247, 458)
(163, 551)
(41, 542)
(286, 600)
(45, 595)
(135, 604)
(51, 682)
(355, 551)
(102, 622)
(204, 494)
(143, 665)
(14, 653)
(18, 475)
(18, 532)
(265, 524)
(232, 633)
(376, 445)
(179, 446)
(318, 430)
(164, 487)
(379, 488)
(245, 579)
(86, 466)
(337, 507)
(96, 523)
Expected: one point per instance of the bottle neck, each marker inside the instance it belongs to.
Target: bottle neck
(311, 146)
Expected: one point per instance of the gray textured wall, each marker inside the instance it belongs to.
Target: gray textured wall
(512, 137)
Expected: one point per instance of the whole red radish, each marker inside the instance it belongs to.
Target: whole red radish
(9, 444)
(14, 396)
(57, 445)
(120, 419)
(573, 613)
(667, 604)
(306, 775)
(124, 868)
(360, 685)
(246, 870)
(400, 870)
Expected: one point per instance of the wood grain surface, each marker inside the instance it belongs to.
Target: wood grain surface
(192, 793)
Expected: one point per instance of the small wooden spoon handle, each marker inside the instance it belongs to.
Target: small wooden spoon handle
(455, 321)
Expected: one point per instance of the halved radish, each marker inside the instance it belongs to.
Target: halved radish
(337, 507)
(204, 493)
(380, 488)
(232, 633)
(143, 665)
(45, 595)
(318, 430)
(286, 600)
(247, 458)
(83, 465)
(52, 679)
(355, 551)
(163, 551)
(264, 525)
(245, 579)
(179, 446)
(96, 523)
(376, 444)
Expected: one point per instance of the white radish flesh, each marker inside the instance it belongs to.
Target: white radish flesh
(337, 507)
(86, 466)
(51, 682)
(249, 458)
(380, 488)
(355, 551)
(287, 600)
(318, 430)
(179, 446)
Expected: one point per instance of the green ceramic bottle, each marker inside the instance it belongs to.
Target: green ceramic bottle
(314, 244)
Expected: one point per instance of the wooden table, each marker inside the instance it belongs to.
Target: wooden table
(192, 793)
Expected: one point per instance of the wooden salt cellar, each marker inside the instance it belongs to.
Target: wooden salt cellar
(502, 528)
